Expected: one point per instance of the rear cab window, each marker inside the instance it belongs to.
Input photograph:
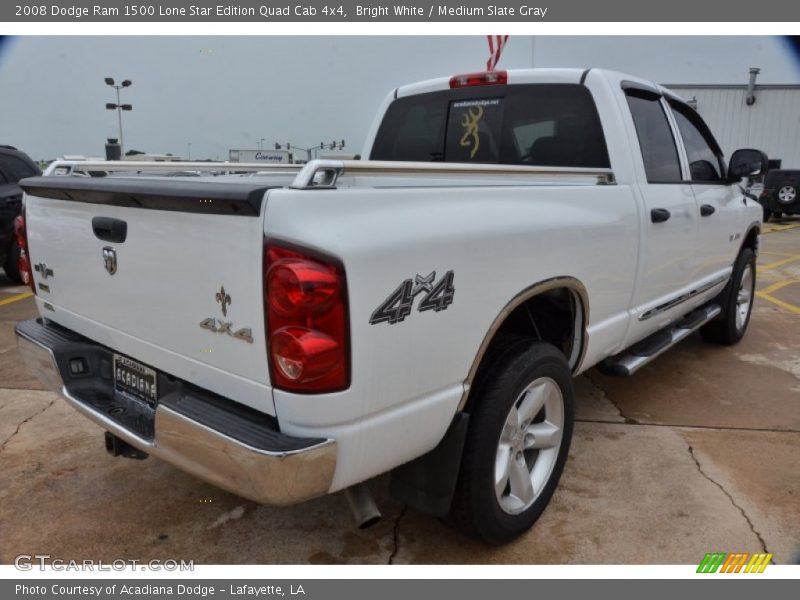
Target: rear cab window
(552, 125)
(657, 144)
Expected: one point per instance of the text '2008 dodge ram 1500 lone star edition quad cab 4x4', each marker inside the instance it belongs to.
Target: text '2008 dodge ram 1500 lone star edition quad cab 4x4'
(296, 331)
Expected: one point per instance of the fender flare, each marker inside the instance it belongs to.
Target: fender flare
(581, 333)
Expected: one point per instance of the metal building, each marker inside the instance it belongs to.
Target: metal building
(766, 117)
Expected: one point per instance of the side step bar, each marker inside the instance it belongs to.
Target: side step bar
(629, 361)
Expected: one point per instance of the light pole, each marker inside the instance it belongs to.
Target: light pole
(119, 108)
(309, 151)
(189, 144)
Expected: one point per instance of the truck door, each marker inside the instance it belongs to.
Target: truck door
(719, 204)
(669, 218)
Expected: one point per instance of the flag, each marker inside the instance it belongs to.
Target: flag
(496, 45)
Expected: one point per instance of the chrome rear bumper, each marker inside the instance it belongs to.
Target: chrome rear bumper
(292, 471)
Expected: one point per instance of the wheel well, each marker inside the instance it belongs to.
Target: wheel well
(556, 315)
(751, 239)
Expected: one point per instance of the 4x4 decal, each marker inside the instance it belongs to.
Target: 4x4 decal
(438, 295)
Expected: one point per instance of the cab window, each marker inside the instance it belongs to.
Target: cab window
(538, 125)
(659, 152)
(702, 151)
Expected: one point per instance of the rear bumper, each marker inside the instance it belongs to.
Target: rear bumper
(210, 437)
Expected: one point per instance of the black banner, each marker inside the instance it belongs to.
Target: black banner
(493, 11)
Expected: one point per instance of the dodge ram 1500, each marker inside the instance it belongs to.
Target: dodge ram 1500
(297, 330)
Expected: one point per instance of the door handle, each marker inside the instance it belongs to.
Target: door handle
(659, 215)
(110, 230)
(707, 210)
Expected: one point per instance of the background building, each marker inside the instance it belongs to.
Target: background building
(770, 122)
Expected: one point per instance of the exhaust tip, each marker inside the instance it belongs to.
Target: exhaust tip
(362, 505)
(370, 522)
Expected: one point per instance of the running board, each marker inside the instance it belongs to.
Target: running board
(634, 358)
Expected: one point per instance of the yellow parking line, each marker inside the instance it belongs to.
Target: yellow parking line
(766, 294)
(781, 262)
(778, 285)
(776, 228)
(16, 298)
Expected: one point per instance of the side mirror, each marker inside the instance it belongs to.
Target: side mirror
(747, 163)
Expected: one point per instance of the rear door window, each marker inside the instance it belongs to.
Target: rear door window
(537, 125)
(659, 152)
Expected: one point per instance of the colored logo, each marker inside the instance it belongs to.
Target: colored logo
(470, 121)
(738, 562)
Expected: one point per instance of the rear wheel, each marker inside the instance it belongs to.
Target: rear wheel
(12, 263)
(736, 301)
(519, 436)
(787, 194)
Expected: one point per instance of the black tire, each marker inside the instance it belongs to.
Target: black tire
(787, 188)
(11, 267)
(730, 326)
(476, 508)
(767, 214)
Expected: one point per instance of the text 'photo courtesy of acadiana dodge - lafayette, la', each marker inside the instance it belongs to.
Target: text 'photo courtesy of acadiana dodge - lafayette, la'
(267, 11)
(519, 299)
(155, 589)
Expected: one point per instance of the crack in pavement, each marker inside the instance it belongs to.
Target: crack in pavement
(396, 534)
(730, 497)
(21, 423)
(604, 392)
(682, 426)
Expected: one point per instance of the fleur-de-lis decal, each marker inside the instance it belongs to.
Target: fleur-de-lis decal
(224, 299)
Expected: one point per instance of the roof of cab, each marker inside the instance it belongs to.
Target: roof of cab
(517, 76)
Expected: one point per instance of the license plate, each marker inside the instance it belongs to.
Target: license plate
(134, 379)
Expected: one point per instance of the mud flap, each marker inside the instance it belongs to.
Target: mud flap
(427, 483)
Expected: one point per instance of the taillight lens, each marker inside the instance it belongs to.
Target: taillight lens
(298, 286)
(24, 261)
(480, 78)
(306, 314)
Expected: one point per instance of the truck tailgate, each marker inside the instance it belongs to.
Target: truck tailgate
(166, 271)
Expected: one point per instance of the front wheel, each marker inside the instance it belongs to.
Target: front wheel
(519, 435)
(736, 301)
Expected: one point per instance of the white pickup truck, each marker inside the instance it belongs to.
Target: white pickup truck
(289, 332)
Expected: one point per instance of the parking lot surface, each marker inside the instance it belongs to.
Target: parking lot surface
(698, 452)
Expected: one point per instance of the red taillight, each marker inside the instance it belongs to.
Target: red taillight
(306, 314)
(482, 78)
(24, 262)
(298, 286)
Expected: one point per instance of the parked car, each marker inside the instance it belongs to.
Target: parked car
(422, 312)
(781, 193)
(14, 165)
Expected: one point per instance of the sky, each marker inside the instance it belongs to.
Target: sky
(223, 92)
